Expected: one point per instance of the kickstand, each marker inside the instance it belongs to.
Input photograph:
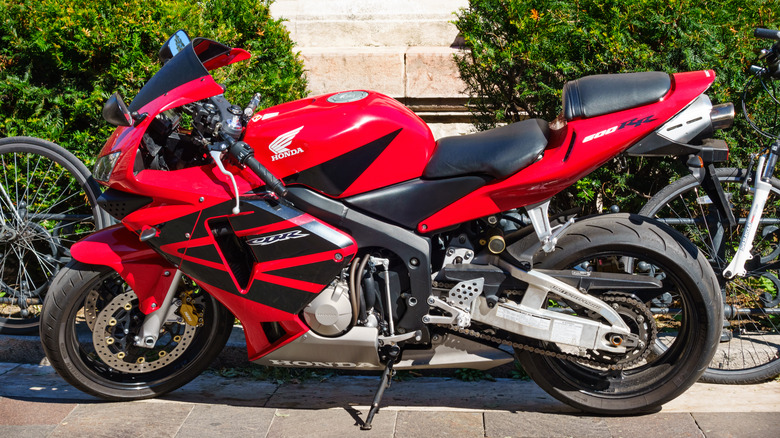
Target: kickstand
(387, 377)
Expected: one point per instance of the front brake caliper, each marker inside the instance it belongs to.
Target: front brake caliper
(192, 316)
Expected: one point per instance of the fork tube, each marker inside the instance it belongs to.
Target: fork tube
(737, 265)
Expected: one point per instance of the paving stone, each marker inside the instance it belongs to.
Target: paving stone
(6, 367)
(654, 425)
(439, 424)
(27, 413)
(448, 393)
(538, 424)
(225, 420)
(417, 393)
(25, 431)
(340, 391)
(136, 419)
(738, 424)
(704, 397)
(210, 388)
(38, 381)
(331, 423)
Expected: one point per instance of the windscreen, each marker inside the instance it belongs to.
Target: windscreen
(186, 66)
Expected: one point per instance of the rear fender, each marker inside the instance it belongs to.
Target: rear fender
(145, 271)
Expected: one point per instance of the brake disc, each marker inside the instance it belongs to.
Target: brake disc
(113, 337)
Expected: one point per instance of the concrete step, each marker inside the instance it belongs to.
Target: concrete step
(369, 23)
(400, 72)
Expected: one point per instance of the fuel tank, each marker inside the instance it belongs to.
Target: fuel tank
(341, 144)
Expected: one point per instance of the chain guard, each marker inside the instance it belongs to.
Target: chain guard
(637, 315)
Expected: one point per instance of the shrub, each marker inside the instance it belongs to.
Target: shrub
(522, 52)
(61, 59)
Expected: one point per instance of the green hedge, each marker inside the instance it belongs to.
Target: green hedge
(61, 59)
(522, 52)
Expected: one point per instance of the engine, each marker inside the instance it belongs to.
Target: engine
(330, 314)
(370, 293)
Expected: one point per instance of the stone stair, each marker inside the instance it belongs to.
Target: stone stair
(402, 48)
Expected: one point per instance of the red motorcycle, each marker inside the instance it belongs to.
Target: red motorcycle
(341, 235)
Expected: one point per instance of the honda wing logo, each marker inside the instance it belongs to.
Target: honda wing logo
(280, 146)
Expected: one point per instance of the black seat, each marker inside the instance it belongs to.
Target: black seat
(597, 95)
(497, 153)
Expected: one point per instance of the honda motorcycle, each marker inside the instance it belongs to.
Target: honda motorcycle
(342, 235)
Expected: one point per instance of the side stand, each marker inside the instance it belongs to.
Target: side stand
(387, 377)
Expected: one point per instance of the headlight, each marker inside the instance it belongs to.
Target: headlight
(104, 166)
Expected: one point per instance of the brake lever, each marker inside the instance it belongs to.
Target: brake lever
(216, 155)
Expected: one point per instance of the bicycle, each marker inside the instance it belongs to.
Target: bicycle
(48, 201)
(734, 217)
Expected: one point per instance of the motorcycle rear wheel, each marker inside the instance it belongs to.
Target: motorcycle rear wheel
(82, 332)
(619, 243)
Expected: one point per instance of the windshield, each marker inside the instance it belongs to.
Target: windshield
(186, 66)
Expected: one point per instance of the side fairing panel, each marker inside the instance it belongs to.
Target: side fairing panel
(270, 253)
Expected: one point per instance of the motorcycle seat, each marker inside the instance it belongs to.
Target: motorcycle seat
(597, 95)
(497, 153)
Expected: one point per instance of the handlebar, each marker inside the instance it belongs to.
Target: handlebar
(767, 34)
(246, 156)
(241, 151)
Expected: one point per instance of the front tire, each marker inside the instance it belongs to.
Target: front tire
(88, 323)
(632, 244)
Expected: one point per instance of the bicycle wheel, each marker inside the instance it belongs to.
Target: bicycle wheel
(749, 350)
(48, 201)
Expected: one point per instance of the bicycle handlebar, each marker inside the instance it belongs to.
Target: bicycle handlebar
(768, 34)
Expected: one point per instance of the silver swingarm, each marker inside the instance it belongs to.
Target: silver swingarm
(530, 318)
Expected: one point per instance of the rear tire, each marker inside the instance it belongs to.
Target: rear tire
(82, 333)
(632, 244)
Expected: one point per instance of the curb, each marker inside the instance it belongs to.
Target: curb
(28, 350)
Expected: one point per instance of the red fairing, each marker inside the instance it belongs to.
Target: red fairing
(570, 155)
(251, 315)
(341, 148)
(139, 265)
(235, 55)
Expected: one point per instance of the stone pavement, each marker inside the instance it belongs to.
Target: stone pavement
(35, 402)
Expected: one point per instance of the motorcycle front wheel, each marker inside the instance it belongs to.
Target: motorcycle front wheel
(645, 379)
(89, 322)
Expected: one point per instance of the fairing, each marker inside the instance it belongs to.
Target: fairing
(570, 155)
(342, 148)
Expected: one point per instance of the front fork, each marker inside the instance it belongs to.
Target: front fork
(150, 330)
(762, 188)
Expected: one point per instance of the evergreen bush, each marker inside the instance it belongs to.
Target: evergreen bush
(61, 59)
(522, 52)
